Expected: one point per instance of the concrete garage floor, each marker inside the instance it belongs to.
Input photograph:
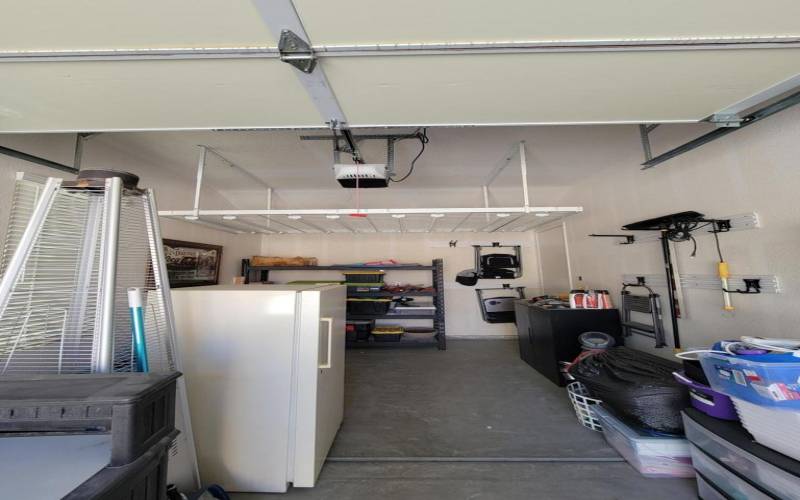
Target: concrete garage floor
(512, 433)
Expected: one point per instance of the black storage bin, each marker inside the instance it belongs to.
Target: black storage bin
(365, 276)
(693, 370)
(358, 330)
(138, 409)
(387, 334)
(350, 333)
(368, 306)
(388, 337)
(143, 479)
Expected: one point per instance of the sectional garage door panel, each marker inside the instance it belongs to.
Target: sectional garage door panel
(437, 21)
(640, 87)
(127, 24)
(136, 95)
(207, 64)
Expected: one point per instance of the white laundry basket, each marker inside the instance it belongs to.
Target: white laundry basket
(583, 404)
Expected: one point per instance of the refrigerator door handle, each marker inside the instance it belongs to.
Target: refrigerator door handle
(328, 343)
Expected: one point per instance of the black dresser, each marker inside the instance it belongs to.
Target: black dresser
(548, 336)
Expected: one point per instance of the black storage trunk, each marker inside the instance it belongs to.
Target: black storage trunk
(388, 337)
(549, 336)
(368, 306)
(138, 409)
(143, 479)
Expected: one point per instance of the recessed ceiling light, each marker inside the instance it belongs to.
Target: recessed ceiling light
(191, 217)
(437, 216)
(252, 232)
(294, 217)
(399, 216)
(542, 214)
(229, 217)
(503, 215)
(332, 216)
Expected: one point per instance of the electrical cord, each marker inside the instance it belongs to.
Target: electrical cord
(684, 354)
(716, 240)
(683, 232)
(423, 140)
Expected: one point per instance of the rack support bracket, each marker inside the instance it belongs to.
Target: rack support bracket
(296, 51)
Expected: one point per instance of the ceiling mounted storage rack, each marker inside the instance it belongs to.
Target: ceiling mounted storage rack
(484, 219)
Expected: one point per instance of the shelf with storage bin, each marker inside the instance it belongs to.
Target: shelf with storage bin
(437, 337)
(391, 316)
(391, 294)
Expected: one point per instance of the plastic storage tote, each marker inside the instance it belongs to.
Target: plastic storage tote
(723, 479)
(143, 479)
(387, 333)
(652, 456)
(366, 276)
(368, 306)
(137, 409)
(766, 380)
(729, 444)
(774, 428)
(403, 310)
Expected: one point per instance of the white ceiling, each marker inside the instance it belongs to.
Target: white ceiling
(530, 88)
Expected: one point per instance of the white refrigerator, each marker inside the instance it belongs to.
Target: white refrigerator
(264, 369)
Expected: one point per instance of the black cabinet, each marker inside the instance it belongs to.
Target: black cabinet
(548, 336)
(523, 330)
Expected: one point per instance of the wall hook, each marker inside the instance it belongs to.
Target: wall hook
(751, 286)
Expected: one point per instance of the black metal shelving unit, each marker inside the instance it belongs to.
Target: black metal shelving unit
(439, 338)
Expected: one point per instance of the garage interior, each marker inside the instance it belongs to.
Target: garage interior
(495, 169)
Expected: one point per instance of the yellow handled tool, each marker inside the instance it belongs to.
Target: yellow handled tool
(724, 274)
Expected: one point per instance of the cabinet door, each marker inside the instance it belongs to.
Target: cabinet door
(543, 344)
(320, 388)
(523, 329)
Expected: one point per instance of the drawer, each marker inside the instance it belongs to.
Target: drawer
(707, 491)
(732, 485)
(771, 479)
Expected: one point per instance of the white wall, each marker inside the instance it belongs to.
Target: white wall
(101, 152)
(755, 169)
(598, 167)
(461, 304)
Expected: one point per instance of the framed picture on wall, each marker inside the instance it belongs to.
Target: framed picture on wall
(192, 264)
